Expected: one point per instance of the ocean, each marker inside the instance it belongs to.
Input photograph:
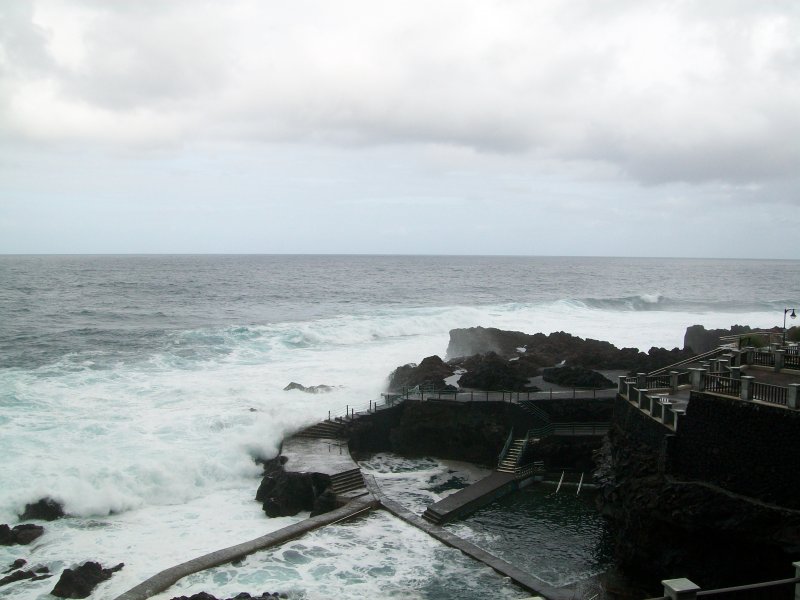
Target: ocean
(137, 390)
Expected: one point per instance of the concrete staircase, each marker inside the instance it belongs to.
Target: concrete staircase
(509, 462)
(348, 484)
(324, 430)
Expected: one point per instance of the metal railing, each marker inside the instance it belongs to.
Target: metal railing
(717, 384)
(773, 394)
(688, 361)
(570, 429)
(655, 382)
(764, 359)
(507, 446)
(791, 361)
(507, 395)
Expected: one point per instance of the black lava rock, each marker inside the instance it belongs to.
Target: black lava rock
(45, 509)
(20, 534)
(79, 582)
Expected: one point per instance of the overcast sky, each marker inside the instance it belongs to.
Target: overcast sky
(458, 127)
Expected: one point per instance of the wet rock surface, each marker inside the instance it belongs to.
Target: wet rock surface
(493, 372)
(311, 389)
(45, 509)
(549, 350)
(284, 494)
(19, 534)
(80, 581)
(21, 575)
(430, 373)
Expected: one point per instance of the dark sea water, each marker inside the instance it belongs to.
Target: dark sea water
(127, 382)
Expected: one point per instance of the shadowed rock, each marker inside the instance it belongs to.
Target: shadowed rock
(45, 509)
(20, 534)
(80, 581)
(576, 377)
(312, 389)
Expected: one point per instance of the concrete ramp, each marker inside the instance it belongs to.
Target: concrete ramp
(471, 498)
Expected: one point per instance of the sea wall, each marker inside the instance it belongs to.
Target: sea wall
(746, 447)
(671, 500)
(473, 431)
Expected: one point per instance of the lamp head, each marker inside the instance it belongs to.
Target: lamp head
(793, 315)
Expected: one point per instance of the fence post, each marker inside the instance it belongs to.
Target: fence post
(673, 381)
(779, 360)
(736, 372)
(796, 566)
(641, 380)
(680, 589)
(746, 392)
(621, 387)
(698, 379)
(793, 395)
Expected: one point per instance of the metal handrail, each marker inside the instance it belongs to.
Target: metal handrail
(507, 446)
(709, 354)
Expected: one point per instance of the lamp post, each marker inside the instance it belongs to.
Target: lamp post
(793, 316)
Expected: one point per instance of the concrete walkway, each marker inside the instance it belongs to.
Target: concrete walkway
(163, 580)
(522, 579)
(473, 497)
(315, 455)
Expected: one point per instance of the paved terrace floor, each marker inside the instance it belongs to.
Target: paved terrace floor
(312, 455)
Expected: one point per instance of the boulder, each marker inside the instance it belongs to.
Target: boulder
(492, 372)
(312, 389)
(80, 581)
(430, 373)
(32, 574)
(284, 494)
(45, 509)
(576, 377)
(19, 534)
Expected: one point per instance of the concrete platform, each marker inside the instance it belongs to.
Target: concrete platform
(163, 580)
(471, 498)
(312, 455)
(521, 578)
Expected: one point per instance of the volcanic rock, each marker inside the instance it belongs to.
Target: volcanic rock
(19, 575)
(80, 581)
(312, 389)
(430, 373)
(284, 494)
(576, 377)
(45, 509)
(491, 371)
(19, 534)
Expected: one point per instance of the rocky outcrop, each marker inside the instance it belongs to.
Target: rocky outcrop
(700, 340)
(19, 534)
(21, 575)
(549, 350)
(45, 509)
(284, 494)
(430, 374)
(80, 581)
(492, 372)
(480, 340)
(311, 389)
(577, 377)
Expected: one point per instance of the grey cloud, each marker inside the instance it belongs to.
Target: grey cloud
(583, 81)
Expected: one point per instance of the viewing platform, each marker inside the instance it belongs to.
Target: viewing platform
(471, 498)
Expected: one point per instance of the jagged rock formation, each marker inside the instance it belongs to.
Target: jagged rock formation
(311, 389)
(549, 350)
(19, 534)
(284, 494)
(430, 373)
(80, 581)
(45, 509)
(494, 373)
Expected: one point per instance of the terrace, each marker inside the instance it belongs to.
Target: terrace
(768, 375)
